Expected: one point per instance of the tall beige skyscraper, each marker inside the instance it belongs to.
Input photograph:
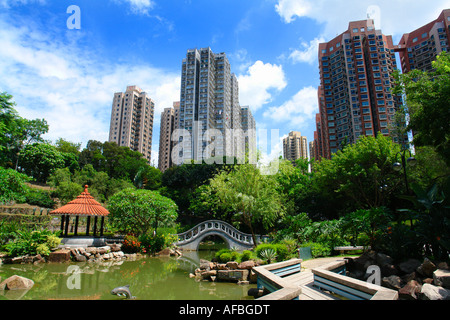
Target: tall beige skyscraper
(295, 146)
(132, 121)
(169, 123)
(209, 104)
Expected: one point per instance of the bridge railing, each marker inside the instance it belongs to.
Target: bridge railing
(214, 225)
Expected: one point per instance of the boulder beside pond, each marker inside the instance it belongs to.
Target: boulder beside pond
(16, 283)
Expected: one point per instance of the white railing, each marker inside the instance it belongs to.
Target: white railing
(214, 225)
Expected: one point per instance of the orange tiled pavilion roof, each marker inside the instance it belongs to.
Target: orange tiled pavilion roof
(83, 205)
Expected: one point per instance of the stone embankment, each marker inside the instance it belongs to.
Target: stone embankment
(111, 252)
(232, 271)
(413, 279)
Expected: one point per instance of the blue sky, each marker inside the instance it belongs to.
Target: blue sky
(69, 77)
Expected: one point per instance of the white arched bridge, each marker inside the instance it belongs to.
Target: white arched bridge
(191, 239)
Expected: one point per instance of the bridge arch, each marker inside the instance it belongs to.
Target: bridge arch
(190, 240)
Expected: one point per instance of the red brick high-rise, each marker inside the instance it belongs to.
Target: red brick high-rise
(355, 93)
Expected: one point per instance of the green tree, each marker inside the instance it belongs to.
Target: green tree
(253, 196)
(39, 160)
(428, 100)
(16, 132)
(12, 186)
(362, 173)
(138, 211)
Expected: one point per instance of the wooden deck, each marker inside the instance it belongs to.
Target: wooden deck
(287, 281)
(305, 280)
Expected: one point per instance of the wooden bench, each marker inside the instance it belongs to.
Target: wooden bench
(350, 288)
(344, 249)
(272, 278)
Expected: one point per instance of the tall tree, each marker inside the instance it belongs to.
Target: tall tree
(428, 105)
(253, 196)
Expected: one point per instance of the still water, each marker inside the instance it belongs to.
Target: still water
(163, 278)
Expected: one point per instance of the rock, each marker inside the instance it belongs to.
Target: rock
(17, 260)
(428, 280)
(247, 265)
(91, 250)
(232, 265)
(442, 278)
(61, 255)
(80, 258)
(106, 256)
(430, 292)
(115, 247)
(427, 268)
(443, 266)
(392, 282)
(221, 266)
(165, 252)
(232, 275)
(205, 264)
(103, 250)
(410, 291)
(388, 270)
(16, 283)
(409, 266)
(383, 259)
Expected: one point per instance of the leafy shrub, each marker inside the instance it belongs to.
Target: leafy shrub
(43, 249)
(27, 242)
(281, 250)
(318, 249)
(268, 255)
(39, 198)
(152, 243)
(131, 244)
(12, 186)
(246, 255)
(225, 257)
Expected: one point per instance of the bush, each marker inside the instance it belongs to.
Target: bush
(281, 250)
(39, 198)
(318, 249)
(12, 186)
(246, 255)
(152, 244)
(131, 244)
(31, 243)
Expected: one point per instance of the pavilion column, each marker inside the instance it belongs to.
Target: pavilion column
(66, 231)
(76, 226)
(88, 225)
(95, 226)
(101, 226)
(62, 223)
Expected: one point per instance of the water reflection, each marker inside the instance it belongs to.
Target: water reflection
(163, 278)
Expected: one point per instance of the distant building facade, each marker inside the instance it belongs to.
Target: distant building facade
(169, 123)
(419, 48)
(355, 94)
(295, 146)
(132, 121)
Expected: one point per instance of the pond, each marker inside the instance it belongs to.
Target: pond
(150, 278)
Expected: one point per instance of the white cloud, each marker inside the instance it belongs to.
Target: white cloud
(256, 86)
(139, 6)
(307, 53)
(71, 87)
(395, 16)
(301, 108)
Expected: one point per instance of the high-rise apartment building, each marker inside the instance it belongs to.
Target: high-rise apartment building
(295, 147)
(169, 123)
(132, 120)
(209, 106)
(248, 135)
(356, 82)
(420, 47)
